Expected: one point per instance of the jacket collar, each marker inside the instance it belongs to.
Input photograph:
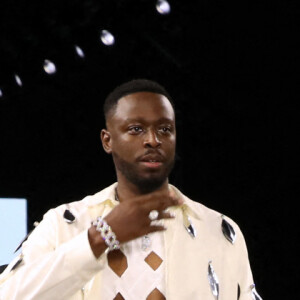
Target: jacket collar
(107, 197)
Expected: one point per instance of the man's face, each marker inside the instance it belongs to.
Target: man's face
(141, 136)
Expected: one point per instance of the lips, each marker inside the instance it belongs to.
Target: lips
(152, 160)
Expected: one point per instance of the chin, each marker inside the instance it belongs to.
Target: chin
(149, 184)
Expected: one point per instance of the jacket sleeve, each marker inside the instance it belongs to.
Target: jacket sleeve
(50, 270)
(245, 280)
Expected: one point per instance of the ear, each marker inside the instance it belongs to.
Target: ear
(106, 141)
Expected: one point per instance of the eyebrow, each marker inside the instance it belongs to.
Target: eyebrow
(142, 120)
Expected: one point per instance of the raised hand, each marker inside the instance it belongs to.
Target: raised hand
(130, 219)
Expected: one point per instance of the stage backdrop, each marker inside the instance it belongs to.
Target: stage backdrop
(230, 69)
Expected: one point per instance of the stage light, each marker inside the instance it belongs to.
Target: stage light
(107, 38)
(49, 66)
(79, 51)
(18, 80)
(163, 7)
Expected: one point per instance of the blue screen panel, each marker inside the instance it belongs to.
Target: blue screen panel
(13, 227)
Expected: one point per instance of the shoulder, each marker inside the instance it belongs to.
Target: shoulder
(209, 217)
(77, 213)
(63, 222)
(79, 207)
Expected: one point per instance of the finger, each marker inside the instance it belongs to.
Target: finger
(177, 197)
(156, 223)
(168, 202)
(161, 203)
(161, 217)
(166, 215)
(156, 228)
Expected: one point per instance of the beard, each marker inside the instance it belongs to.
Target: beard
(144, 183)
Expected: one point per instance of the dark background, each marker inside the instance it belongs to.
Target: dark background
(231, 69)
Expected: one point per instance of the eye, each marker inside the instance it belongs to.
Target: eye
(135, 129)
(165, 129)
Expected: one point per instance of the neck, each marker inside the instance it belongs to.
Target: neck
(127, 190)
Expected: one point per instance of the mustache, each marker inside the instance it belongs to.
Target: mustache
(156, 153)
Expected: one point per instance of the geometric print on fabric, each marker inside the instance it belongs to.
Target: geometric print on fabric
(156, 295)
(153, 260)
(117, 262)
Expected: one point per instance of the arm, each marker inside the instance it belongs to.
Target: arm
(52, 269)
(48, 270)
(245, 274)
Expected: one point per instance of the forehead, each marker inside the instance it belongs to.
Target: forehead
(145, 106)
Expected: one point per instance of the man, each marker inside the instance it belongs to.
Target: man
(140, 238)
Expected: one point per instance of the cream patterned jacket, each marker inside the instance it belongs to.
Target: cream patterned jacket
(57, 261)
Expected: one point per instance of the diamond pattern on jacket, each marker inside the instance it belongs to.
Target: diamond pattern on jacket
(153, 260)
(119, 297)
(156, 295)
(117, 262)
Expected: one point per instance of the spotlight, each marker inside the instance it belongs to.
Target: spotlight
(49, 66)
(79, 51)
(163, 7)
(107, 38)
(18, 80)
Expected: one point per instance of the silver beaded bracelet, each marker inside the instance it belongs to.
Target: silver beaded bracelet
(107, 234)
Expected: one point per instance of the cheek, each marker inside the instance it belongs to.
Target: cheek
(125, 147)
(170, 144)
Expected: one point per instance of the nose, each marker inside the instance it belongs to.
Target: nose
(151, 140)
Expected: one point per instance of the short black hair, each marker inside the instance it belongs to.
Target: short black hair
(131, 87)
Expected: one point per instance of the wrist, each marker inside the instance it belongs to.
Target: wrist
(106, 233)
(97, 243)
